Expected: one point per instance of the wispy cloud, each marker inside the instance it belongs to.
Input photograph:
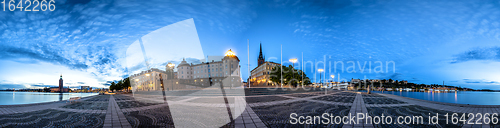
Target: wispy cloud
(492, 53)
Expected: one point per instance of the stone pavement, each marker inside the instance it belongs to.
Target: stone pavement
(114, 116)
(358, 107)
(270, 110)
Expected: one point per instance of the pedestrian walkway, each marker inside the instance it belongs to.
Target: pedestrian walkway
(114, 116)
(358, 106)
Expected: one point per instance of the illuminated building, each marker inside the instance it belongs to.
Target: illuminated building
(261, 74)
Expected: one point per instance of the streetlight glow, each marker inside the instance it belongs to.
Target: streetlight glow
(333, 76)
(320, 70)
(293, 60)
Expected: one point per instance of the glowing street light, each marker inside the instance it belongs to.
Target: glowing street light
(171, 66)
(320, 70)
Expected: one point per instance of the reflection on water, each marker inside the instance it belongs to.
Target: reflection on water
(60, 96)
(36, 97)
(460, 97)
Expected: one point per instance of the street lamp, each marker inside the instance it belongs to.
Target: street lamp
(293, 60)
(333, 76)
(171, 66)
(320, 70)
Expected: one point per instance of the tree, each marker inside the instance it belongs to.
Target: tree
(126, 83)
(112, 87)
(291, 76)
(119, 85)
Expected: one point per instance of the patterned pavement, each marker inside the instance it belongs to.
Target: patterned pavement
(263, 108)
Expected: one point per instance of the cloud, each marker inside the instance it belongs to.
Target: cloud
(4, 86)
(481, 81)
(491, 53)
(40, 54)
(36, 85)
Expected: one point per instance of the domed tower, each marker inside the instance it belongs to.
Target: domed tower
(183, 71)
(169, 69)
(231, 64)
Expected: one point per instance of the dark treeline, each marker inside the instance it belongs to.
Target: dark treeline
(401, 84)
(120, 85)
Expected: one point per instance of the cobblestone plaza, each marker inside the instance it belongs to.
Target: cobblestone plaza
(264, 108)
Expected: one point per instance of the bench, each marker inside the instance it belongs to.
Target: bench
(74, 99)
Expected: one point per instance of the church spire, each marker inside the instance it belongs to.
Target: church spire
(261, 57)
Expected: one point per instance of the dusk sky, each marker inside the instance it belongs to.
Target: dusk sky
(457, 42)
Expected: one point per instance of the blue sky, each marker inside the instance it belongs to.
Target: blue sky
(429, 41)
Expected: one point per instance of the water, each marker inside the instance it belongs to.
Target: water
(460, 97)
(15, 98)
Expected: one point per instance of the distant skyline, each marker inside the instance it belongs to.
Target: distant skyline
(429, 41)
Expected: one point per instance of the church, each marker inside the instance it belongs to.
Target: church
(260, 75)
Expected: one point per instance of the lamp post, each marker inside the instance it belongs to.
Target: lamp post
(320, 70)
(293, 60)
(333, 76)
(171, 66)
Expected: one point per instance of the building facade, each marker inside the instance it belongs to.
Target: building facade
(214, 71)
(260, 76)
(60, 88)
(148, 80)
(189, 75)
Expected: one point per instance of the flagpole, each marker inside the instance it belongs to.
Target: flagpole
(248, 54)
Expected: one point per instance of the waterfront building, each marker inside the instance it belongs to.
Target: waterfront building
(60, 88)
(60, 84)
(148, 80)
(260, 75)
(210, 72)
(190, 75)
